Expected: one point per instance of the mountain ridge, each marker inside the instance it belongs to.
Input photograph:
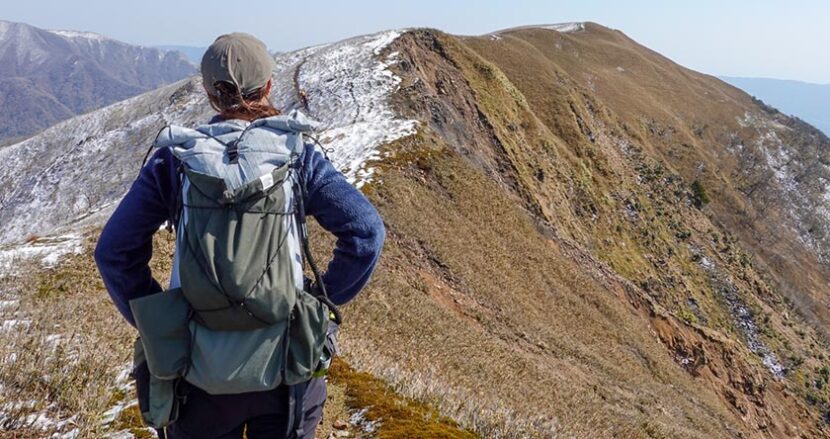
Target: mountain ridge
(585, 239)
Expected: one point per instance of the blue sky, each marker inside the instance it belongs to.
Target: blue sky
(777, 39)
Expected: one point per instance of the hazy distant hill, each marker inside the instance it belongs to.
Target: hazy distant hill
(47, 76)
(809, 102)
(194, 54)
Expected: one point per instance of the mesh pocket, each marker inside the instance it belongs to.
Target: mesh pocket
(307, 334)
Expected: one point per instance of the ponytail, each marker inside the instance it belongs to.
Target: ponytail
(232, 104)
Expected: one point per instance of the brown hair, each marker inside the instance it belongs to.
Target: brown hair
(231, 104)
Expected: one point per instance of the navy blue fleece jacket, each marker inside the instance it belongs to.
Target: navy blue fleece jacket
(125, 245)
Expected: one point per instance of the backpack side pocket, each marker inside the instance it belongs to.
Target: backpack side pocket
(157, 400)
(307, 334)
(162, 321)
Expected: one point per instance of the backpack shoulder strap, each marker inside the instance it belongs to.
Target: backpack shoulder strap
(173, 217)
(173, 221)
(152, 146)
(300, 194)
(317, 143)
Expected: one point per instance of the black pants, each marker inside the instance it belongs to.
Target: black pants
(261, 415)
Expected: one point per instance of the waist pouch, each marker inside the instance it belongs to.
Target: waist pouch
(158, 401)
(308, 331)
(226, 362)
(162, 321)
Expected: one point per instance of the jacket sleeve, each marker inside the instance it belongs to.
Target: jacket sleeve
(344, 211)
(126, 242)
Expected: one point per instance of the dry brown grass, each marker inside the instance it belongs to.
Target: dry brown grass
(682, 121)
(397, 417)
(675, 125)
(493, 299)
(543, 274)
(533, 345)
(68, 364)
(65, 363)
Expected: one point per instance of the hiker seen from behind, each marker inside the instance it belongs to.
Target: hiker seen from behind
(240, 341)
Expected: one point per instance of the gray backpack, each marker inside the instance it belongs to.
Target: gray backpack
(239, 316)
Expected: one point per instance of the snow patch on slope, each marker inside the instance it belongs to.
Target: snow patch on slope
(565, 27)
(46, 251)
(559, 27)
(78, 34)
(38, 421)
(347, 85)
(805, 211)
(86, 164)
(743, 318)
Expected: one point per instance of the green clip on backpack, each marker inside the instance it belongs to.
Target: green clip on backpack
(238, 316)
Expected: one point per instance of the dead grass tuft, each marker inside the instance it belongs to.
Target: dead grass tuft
(400, 418)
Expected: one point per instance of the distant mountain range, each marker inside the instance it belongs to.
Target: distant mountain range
(47, 76)
(807, 101)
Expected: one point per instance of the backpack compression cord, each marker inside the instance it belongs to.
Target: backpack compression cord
(318, 279)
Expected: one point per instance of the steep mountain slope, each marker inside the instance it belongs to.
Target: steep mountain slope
(49, 76)
(765, 173)
(807, 101)
(584, 238)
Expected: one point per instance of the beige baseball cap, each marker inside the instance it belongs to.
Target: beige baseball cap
(238, 58)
